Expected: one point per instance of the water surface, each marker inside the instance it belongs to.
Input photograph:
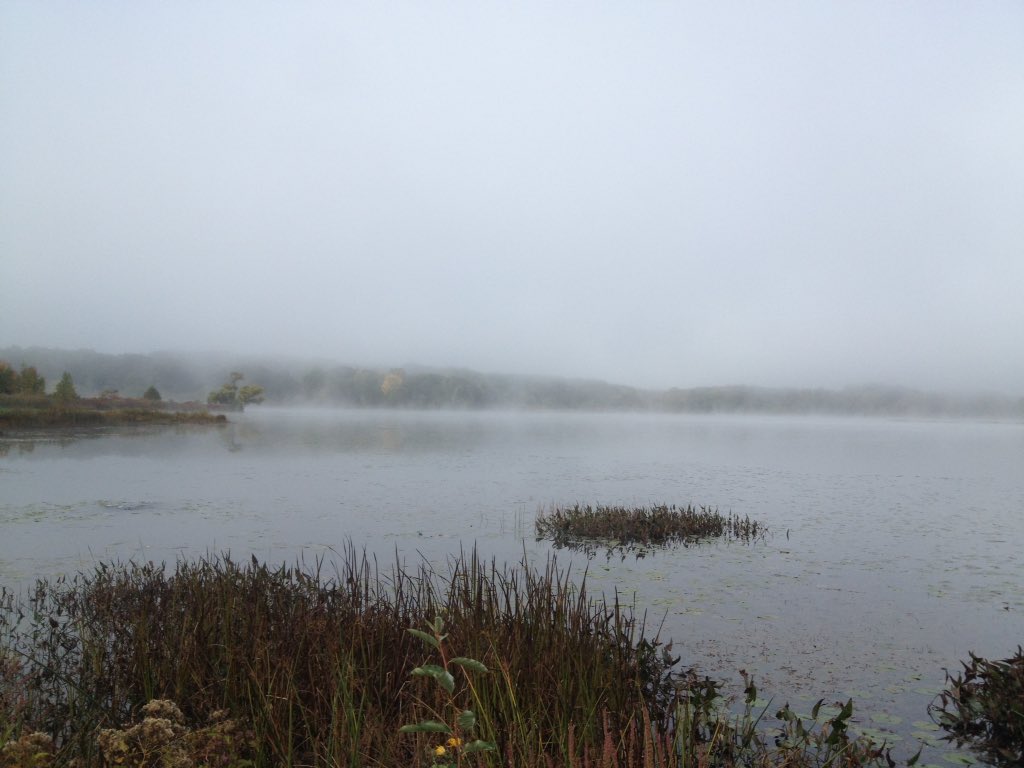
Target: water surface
(894, 546)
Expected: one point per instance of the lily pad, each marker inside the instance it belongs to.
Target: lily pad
(878, 736)
(958, 759)
(885, 718)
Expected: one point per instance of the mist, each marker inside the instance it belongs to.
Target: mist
(691, 194)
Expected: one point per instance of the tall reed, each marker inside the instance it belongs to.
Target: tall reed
(297, 666)
(317, 664)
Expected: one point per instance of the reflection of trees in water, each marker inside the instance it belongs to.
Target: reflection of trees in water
(230, 438)
(390, 439)
(23, 446)
(375, 435)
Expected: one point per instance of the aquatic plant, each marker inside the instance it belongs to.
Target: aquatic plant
(316, 665)
(983, 706)
(705, 735)
(314, 670)
(619, 528)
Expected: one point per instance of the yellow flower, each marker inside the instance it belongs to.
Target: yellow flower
(454, 742)
(439, 750)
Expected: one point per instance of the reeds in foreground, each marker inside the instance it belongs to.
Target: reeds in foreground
(289, 666)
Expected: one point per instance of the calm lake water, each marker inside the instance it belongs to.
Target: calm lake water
(895, 546)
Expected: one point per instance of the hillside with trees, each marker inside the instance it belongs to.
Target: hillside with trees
(214, 379)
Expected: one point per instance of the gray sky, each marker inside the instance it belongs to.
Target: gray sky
(787, 193)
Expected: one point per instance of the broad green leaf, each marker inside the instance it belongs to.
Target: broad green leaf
(426, 726)
(467, 719)
(429, 639)
(442, 675)
(471, 664)
(846, 712)
(817, 708)
(428, 670)
(479, 746)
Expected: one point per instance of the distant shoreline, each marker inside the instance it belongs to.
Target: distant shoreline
(185, 377)
(53, 417)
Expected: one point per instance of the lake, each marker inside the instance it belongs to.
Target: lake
(894, 546)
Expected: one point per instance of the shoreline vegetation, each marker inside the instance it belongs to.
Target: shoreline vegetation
(19, 413)
(190, 377)
(238, 664)
(216, 662)
(25, 404)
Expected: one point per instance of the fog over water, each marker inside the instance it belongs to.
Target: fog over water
(659, 194)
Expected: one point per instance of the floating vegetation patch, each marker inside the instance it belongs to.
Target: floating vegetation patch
(636, 529)
(983, 706)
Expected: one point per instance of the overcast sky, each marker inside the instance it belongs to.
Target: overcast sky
(664, 194)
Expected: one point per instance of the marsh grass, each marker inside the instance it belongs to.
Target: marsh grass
(317, 664)
(46, 411)
(314, 668)
(33, 418)
(983, 706)
(635, 529)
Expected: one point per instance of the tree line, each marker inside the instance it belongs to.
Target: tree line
(287, 382)
(26, 382)
(29, 384)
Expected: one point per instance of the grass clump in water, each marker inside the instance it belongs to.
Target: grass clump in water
(631, 528)
(983, 706)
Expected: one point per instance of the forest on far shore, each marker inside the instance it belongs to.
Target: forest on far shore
(191, 377)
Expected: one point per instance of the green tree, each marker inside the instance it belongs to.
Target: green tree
(152, 394)
(8, 379)
(224, 396)
(30, 382)
(230, 395)
(250, 393)
(65, 391)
